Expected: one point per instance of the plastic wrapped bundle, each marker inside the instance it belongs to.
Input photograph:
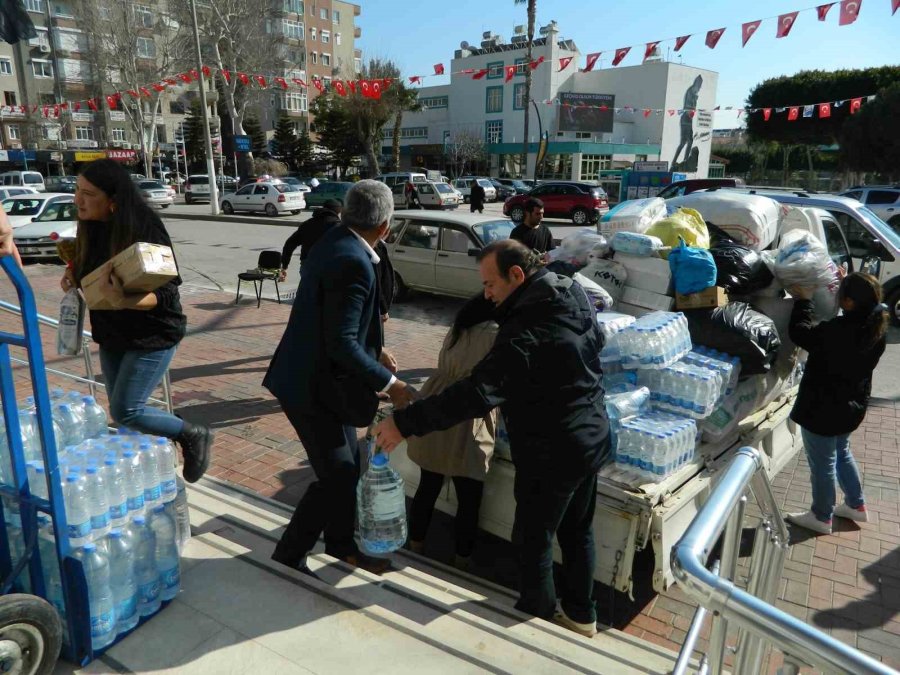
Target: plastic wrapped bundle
(803, 260)
(578, 246)
(681, 225)
(636, 244)
(612, 322)
(594, 291)
(752, 220)
(634, 215)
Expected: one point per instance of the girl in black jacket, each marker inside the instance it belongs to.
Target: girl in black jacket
(834, 393)
(138, 338)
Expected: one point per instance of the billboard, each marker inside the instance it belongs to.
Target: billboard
(586, 112)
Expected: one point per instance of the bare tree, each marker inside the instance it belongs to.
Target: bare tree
(464, 147)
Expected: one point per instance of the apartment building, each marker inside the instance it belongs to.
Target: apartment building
(11, 119)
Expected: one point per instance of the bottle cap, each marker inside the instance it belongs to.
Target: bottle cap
(88, 399)
(92, 469)
(128, 453)
(139, 520)
(63, 407)
(90, 547)
(115, 534)
(144, 446)
(380, 459)
(159, 508)
(72, 478)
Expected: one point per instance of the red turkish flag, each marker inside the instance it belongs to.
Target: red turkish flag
(671, 113)
(822, 10)
(621, 53)
(679, 42)
(376, 89)
(317, 83)
(767, 113)
(185, 77)
(76, 106)
(438, 68)
(386, 83)
(206, 71)
(244, 78)
(785, 23)
(300, 83)
(856, 103)
(111, 102)
(45, 111)
(648, 50)
(647, 112)
(713, 37)
(849, 11)
(481, 73)
(510, 73)
(281, 82)
(340, 88)
(793, 114)
(133, 93)
(195, 74)
(146, 92)
(227, 75)
(824, 110)
(260, 80)
(535, 64)
(364, 88)
(591, 60)
(158, 87)
(895, 5)
(352, 85)
(92, 104)
(747, 31)
(414, 79)
(564, 62)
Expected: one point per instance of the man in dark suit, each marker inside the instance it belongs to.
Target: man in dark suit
(327, 373)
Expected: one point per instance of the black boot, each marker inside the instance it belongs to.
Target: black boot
(195, 441)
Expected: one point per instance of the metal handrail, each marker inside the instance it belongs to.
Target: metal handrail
(90, 380)
(759, 621)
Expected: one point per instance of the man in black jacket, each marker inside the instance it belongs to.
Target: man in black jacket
(324, 218)
(531, 231)
(544, 373)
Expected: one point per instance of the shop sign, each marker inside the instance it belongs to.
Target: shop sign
(89, 156)
(122, 155)
(651, 166)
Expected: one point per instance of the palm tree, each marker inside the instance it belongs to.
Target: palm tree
(404, 100)
(532, 13)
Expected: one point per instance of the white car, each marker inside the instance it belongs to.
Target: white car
(883, 200)
(273, 198)
(23, 209)
(436, 251)
(431, 196)
(38, 239)
(155, 193)
(464, 186)
(16, 191)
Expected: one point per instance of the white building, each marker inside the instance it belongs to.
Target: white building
(583, 142)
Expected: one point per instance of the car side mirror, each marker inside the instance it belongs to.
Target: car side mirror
(474, 252)
(871, 265)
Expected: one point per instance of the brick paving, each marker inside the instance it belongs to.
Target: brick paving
(846, 584)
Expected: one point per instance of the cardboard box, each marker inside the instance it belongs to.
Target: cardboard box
(633, 310)
(646, 299)
(714, 296)
(648, 274)
(142, 267)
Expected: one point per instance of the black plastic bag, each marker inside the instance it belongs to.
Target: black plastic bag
(740, 270)
(564, 268)
(739, 330)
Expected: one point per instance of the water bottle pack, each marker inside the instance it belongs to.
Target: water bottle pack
(654, 341)
(655, 445)
(684, 389)
(381, 507)
(729, 367)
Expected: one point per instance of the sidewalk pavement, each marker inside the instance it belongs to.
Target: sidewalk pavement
(847, 584)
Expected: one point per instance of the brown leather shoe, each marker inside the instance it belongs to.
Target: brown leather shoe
(362, 561)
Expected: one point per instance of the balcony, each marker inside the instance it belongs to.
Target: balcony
(357, 32)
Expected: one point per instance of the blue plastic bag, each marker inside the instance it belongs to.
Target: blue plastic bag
(692, 268)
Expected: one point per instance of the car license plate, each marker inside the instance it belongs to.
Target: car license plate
(27, 250)
(160, 194)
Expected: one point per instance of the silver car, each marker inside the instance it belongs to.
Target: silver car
(155, 193)
(436, 251)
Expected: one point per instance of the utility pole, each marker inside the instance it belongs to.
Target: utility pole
(210, 163)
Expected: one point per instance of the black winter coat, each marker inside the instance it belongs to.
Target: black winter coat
(544, 373)
(323, 219)
(837, 382)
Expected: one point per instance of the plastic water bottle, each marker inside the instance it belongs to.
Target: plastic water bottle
(124, 588)
(95, 420)
(622, 406)
(382, 507)
(167, 563)
(165, 455)
(50, 564)
(98, 501)
(134, 482)
(37, 479)
(182, 514)
(100, 599)
(78, 515)
(69, 424)
(623, 446)
(658, 460)
(115, 478)
(150, 474)
(146, 575)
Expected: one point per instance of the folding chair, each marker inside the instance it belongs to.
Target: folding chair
(268, 266)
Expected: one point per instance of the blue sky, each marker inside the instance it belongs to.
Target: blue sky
(417, 35)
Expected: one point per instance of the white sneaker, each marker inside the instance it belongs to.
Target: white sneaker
(860, 515)
(586, 629)
(809, 521)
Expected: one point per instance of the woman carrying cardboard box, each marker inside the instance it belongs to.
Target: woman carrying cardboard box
(139, 335)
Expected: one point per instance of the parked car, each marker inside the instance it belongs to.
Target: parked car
(392, 179)
(23, 209)
(431, 196)
(155, 193)
(436, 251)
(296, 182)
(27, 178)
(327, 190)
(64, 184)
(196, 188)
(270, 197)
(504, 192)
(517, 184)
(582, 202)
(464, 187)
(884, 200)
(685, 187)
(37, 239)
(16, 191)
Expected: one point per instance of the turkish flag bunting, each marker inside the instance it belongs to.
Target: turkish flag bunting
(195, 74)
(855, 104)
(34, 108)
(64, 105)
(679, 42)
(793, 113)
(785, 23)
(510, 73)
(564, 62)
(671, 113)
(243, 78)
(158, 87)
(387, 82)
(692, 113)
(747, 31)
(849, 11)
(317, 83)
(481, 73)
(824, 110)
(206, 71)
(467, 71)
(713, 37)
(648, 50)
(340, 88)
(647, 112)
(77, 106)
(45, 111)
(23, 109)
(111, 102)
(298, 82)
(146, 92)
(364, 88)
(535, 64)
(438, 68)
(171, 82)
(895, 5)
(352, 85)
(767, 113)
(133, 93)
(261, 80)
(281, 82)
(413, 79)
(376, 89)
(92, 104)
(822, 10)
(591, 60)
(227, 75)
(621, 53)
(56, 111)
(185, 77)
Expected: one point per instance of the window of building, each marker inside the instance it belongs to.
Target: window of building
(323, 14)
(557, 167)
(640, 158)
(432, 102)
(313, 35)
(50, 132)
(521, 65)
(143, 15)
(292, 29)
(326, 81)
(42, 68)
(336, 15)
(5, 67)
(294, 6)
(591, 165)
(493, 100)
(34, 6)
(519, 102)
(146, 48)
(494, 70)
(493, 131)
(116, 134)
(326, 59)
(357, 65)
(63, 10)
(84, 133)
(46, 98)
(326, 36)
(74, 70)
(314, 57)
(12, 131)
(176, 108)
(582, 134)
(337, 39)
(9, 98)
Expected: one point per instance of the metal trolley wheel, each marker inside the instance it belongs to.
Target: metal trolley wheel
(30, 635)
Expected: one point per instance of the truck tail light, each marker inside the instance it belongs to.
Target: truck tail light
(281, 198)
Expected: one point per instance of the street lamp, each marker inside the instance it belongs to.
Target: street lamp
(210, 163)
(540, 138)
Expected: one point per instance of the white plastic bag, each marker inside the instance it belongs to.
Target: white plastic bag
(71, 323)
(598, 295)
(803, 260)
(609, 274)
(579, 246)
(636, 244)
(634, 215)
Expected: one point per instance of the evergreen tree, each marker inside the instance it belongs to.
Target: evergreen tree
(194, 140)
(304, 155)
(285, 142)
(258, 141)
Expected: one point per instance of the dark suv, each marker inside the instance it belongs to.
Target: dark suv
(582, 202)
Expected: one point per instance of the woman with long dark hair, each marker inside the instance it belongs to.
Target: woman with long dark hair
(463, 452)
(834, 393)
(138, 338)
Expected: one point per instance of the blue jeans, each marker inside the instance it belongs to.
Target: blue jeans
(829, 456)
(131, 378)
